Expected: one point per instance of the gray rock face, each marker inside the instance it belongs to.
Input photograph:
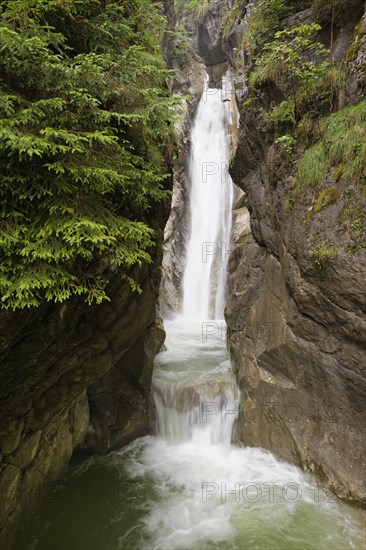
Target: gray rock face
(357, 55)
(209, 35)
(214, 46)
(73, 379)
(175, 235)
(119, 400)
(297, 329)
(300, 369)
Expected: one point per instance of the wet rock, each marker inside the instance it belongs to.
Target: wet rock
(10, 439)
(119, 401)
(185, 398)
(26, 451)
(79, 420)
(9, 483)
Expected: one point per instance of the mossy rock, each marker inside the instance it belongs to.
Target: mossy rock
(360, 33)
(326, 197)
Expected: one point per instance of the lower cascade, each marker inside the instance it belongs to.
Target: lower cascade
(189, 487)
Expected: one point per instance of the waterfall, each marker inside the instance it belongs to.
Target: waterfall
(201, 423)
(211, 197)
(194, 394)
(196, 398)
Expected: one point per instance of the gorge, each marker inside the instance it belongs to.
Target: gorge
(246, 427)
(188, 487)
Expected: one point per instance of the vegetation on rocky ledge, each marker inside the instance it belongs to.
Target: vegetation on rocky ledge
(302, 96)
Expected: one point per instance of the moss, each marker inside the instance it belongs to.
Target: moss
(360, 32)
(326, 197)
(289, 203)
(306, 127)
(339, 172)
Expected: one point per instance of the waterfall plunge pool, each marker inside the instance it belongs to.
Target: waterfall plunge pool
(167, 494)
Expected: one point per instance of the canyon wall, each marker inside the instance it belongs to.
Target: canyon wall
(297, 326)
(74, 379)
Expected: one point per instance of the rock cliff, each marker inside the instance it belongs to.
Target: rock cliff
(74, 379)
(297, 325)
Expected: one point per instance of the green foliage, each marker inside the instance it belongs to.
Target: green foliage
(85, 127)
(358, 41)
(313, 166)
(183, 43)
(345, 136)
(326, 197)
(342, 144)
(357, 227)
(296, 63)
(321, 95)
(196, 8)
(323, 252)
(287, 142)
(283, 114)
(236, 11)
(262, 23)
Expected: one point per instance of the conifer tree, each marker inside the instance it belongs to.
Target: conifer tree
(85, 127)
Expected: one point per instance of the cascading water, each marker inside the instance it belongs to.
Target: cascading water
(189, 408)
(189, 488)
(195, 395)
(211, 200)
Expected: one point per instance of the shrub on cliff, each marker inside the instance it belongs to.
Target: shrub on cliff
(262, 22)
(195, 8)
(84, 132)
(298, 64)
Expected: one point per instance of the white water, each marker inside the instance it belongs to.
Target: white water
(196, 398)
(211, 197)
(206, 494)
